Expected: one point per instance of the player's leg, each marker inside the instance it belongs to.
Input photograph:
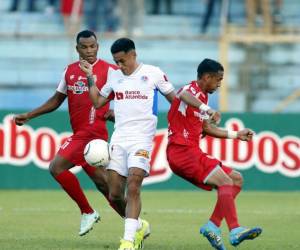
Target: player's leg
(117, 184)
(187, 163)
(59, 169)
(225, 199)
(237, 179)
(137, 166)
(69, 155)
(217, 177)
(117, 174)
(226, 204)
(100, 178)
(238, 235)
(133, 206)
(136, 229)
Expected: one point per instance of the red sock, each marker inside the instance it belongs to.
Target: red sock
(227, 206)
(71, 185)
(217, 216)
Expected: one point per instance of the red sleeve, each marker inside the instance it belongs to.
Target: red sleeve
(113, 66)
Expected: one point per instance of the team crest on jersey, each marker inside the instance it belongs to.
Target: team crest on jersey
(144, 78)
(78, 88)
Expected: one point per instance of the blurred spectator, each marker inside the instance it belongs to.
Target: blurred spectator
(71, 11)
(16, 3)
(131, 17)
(157, 4)
(31, 7)
(210, 5)
(49, 10)
(210, 10)
(102, 12)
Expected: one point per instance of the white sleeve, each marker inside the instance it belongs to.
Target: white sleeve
(62, 86)
(162, 83)
(107, 89)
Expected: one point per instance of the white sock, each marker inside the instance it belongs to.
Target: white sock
(131, 226)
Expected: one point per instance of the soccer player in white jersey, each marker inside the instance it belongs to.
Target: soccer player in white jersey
(134, 86)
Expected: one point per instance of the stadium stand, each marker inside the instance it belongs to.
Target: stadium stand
(34, 50)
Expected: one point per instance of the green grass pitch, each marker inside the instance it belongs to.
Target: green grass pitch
(36, 220)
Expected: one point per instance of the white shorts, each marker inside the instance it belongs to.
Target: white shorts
(124, 156)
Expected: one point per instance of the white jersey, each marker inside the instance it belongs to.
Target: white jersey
(135, 102)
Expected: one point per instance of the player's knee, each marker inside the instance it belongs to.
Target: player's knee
(238, 179)
(54, 169)
(133, 189)
(99, 178)
(226, 181)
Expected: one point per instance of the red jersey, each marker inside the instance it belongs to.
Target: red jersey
(185, 124)
(83, 115)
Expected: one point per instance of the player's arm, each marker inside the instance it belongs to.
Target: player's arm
(97, 99)
(191, 100)
(110, 115)
(50, 105)
(243, 135)
(170, 96)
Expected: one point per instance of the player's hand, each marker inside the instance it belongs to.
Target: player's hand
(21, 119)
(214, 117)
(86, 67)
(110, 115)
(245, 134)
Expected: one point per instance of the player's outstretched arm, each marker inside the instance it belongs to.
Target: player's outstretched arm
(191, 100)
(211, 130)
(50, 105)
(97, 99)
(245, 134)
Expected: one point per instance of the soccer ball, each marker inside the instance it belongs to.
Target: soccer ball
(96, 153)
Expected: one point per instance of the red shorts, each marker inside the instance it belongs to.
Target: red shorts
(192, 164)
(72, 149)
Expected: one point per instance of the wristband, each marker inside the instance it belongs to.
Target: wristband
(232, 134)
(204, 107)
(90, 80)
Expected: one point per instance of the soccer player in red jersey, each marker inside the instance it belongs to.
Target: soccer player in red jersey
(87, 124)
(186, 159)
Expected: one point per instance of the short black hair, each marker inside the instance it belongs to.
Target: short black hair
(122, 44)
(209, 66)
(85, 34)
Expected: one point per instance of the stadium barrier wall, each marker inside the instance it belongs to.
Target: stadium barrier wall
(270, 162)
